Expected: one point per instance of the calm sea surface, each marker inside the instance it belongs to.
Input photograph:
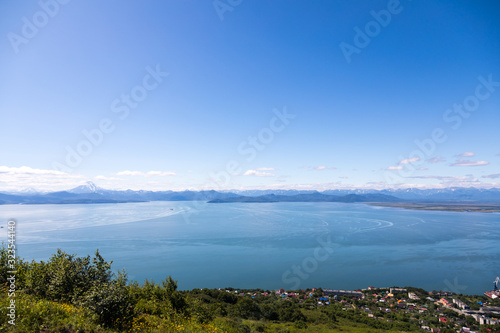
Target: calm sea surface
(271, 245)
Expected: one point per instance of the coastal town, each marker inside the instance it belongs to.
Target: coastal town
(434, 311)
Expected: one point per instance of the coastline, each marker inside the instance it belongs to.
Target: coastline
(441, 206)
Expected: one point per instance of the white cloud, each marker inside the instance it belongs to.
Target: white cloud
(258, 173)
(468, 163)
(449, 181)
(318, 167)
(24, 170)
(436, 159)
(409, 160)
(130, 173)
(423, 168)
(161, 173)
(146, 174)
(101, 177)
(447, 178)
(323, 167)
(16, 178)
(403, 162)
(467, 154)
(266, 169)
(493, 176)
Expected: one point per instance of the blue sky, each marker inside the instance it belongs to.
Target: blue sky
(249, 94)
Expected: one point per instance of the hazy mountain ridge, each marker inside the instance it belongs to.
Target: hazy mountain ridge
(312, 197)
(90, 193)
(464, 194)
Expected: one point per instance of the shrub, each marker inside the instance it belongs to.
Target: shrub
(110, 302)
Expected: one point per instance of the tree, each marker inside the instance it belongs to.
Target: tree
(10, 262)
(269, 312)
(246, 308)
(110, 302)
(176, 299)
(300, 324)
(201, 312)
(291, 314)
(66, 277)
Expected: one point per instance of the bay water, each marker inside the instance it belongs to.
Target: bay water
(270, 245)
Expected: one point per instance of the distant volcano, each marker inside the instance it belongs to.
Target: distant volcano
(89, 187)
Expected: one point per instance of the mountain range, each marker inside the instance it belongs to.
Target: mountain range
(90, 193)
(312, 197)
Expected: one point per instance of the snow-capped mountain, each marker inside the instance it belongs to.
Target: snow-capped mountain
(25, 191)
(461, 194)
(90, 193)
(89, 187)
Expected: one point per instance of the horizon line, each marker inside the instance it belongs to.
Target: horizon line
(294, 188)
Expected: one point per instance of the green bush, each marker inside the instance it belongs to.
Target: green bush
(110, 302)
(66, 277)
(300, 324)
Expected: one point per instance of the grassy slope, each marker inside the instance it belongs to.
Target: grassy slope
(37, 315)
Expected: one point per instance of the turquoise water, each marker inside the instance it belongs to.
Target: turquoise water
(271, 245)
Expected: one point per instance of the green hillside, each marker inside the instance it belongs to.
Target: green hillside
(81, 294)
